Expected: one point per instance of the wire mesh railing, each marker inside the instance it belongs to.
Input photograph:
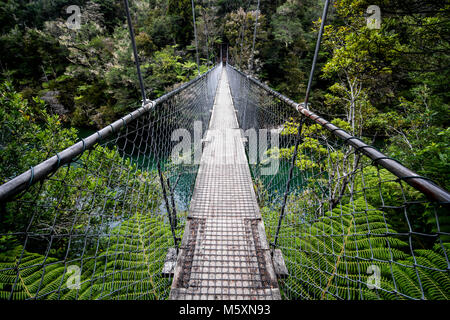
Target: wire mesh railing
(96, 220)
(351, 222)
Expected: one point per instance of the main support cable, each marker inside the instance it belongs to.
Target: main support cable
(299, 127)
(42, 170)
(136, 57)
(429, 188)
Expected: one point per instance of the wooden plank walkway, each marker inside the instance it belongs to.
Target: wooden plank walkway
(224, 252)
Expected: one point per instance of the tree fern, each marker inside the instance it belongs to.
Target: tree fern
(328, 258)
(129, 267)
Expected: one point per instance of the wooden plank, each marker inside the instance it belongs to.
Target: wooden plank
(279, 265)
(170, 263)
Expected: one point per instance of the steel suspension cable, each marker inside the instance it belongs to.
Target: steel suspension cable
(316, 52)
(195, 36)
(244, 26)
(206, 33)
(227, 52)
(254, 38)
(136, 57)
(242, 43)
(171, 213)
(299, 127)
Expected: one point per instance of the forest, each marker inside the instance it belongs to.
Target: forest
(391, 84)
(388, 86)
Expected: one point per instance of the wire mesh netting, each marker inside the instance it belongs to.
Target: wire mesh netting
(97, 220)
(347, 227)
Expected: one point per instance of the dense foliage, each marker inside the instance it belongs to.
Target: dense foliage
(99, 212)
(127, 266)
(328, 258)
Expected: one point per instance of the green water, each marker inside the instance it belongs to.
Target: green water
(274, 186)
(184, 178)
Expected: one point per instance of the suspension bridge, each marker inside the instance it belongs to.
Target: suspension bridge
(224, 252)
(111, 205)
(116, 216)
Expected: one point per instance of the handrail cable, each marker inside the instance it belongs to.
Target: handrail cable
(40, 171)
(424, 185)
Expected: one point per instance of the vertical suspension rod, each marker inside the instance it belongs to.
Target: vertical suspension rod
(195, 36)
(316, 52)
(206, 33)
(136, 58)
(170, 214)
(227, 53)
(299, 128)
(254, 38)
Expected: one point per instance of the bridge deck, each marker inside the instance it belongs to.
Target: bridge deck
(224, 252)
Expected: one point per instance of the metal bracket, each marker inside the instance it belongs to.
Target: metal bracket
(147, 101)
(302, 104)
